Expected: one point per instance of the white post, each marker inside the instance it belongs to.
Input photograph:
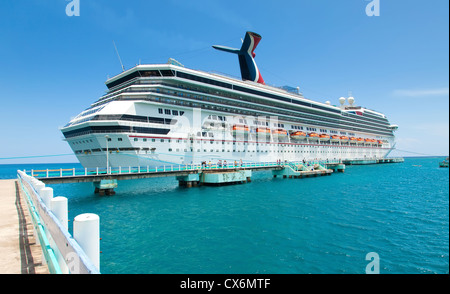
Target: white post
(59, 208)
(86, 231)
(38, 186)
(46, 194)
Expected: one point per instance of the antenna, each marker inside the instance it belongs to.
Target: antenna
(120, 60)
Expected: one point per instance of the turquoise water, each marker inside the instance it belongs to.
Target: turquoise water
(313, 225)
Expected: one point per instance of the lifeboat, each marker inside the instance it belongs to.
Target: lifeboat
(279, 133)
(374, 142)
(324, 137)
(335, 138)
(360, 140)
(298, 135)
(262, 131)
(240, 130)
(353, 140)
(367, 140)
(380, 142)
(313, 136)
(345, 139)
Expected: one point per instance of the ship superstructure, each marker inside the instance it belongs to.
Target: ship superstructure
(168, 114)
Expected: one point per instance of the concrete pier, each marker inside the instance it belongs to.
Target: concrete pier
(20, 253)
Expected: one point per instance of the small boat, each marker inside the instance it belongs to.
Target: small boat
(380, 142)
(313, 136)
(324, 137)
(240, 130)
(262, 131)
(444, 163)
(279, 133)
(353, 140)
(344, 139)
(360, 140)
(298, 135)
(335, 138)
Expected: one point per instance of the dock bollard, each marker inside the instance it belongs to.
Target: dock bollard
(46, 194)
(86, 231)
(59, 208)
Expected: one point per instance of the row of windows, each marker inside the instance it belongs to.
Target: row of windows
(217, 142)
(170, 112)
(268, 151)
(114, 129)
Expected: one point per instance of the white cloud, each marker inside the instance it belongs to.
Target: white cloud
(421, 92)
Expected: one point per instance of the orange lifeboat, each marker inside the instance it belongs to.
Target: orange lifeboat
(335, 138)
(313, 136)
(298, 135)
(324, 137)
(240, 129)
(360, 140)
(345, 139)
(279, 133)
(353, 140)
(380, 142)
(262, 131)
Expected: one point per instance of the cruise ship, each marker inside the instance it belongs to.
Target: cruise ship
(167, 114)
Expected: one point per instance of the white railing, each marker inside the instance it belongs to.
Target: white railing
(76, 172)
(63, 253)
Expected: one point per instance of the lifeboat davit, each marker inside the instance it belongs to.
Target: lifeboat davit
(298, 135)
(240, 130)
(335, 138)
(313, 136)
(324, 137)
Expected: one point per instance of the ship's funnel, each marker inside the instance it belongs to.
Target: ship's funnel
(246, 54)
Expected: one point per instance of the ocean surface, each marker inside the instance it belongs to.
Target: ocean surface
(323, 225)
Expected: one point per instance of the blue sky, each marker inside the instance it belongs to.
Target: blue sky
(54, 66)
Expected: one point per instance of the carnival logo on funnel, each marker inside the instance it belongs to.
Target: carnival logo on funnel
(246, 54)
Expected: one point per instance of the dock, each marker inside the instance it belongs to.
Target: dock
(106, 179)
(20, 253)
